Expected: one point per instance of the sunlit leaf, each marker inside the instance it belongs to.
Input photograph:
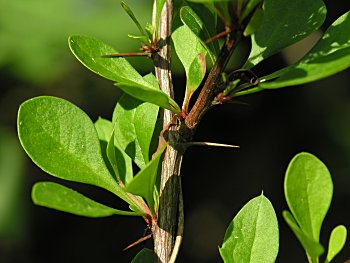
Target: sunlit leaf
(134, 123)
(253, 235)
(144, 182)
(133, 17)
(308, 189)
(284, 23)
(336, 242)
(311, 246)
(62, 140)
(59, 197)
(90, 51)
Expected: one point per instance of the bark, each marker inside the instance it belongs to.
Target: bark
(164, 232)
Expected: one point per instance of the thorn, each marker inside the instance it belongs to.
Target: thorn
(212, 144)
(140, 240)
(132, 54)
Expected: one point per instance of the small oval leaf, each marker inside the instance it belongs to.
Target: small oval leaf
(62, 140)
(90, 51)
(308, 189)
(336, 242)
(253, 235)
(59, 197)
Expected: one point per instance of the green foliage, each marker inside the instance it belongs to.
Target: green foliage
(61, 198)
(134, 125)
(298, 21)
(192, 56)
(308, 189)
(62, 140)
(144, 256)
(144, 182)
(203, 31)
(329, 56)
(90, 51)
(336, 242)
(253, 235)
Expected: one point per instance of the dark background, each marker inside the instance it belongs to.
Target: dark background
(270, 127)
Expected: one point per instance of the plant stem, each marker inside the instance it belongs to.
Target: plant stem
(205, 98)
(164, 231)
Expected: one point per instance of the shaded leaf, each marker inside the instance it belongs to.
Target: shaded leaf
(104, 129)
(59, 197)
(254, 22)
(336, 242)
(311, 246)
(329, 56)
(144, 256)
(144, 182)
(121, 163)
(61, 139)
(299, 19)
(308, 189)
(202, 31)
(192, 56)
(251, 4)
(134, 122)
(253, 235)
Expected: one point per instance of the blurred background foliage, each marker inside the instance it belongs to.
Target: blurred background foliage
(271, 127)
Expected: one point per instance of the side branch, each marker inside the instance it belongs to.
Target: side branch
(207, 93)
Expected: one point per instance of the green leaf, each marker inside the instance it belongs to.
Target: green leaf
(308, 189)
(59, 197)
(144, 256)
(121, 162)
(134, 122)
(62, 140)
(154, 96)
(329, 56)
(336, 242)
(253, 235)
(133, 17)
(144, 182)
(90, 51)
(249, 8)
(254, 22)
(311, 246)
(192, 56)
(284, 23)
(208, 1)
(104, 129)
(202, 31)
